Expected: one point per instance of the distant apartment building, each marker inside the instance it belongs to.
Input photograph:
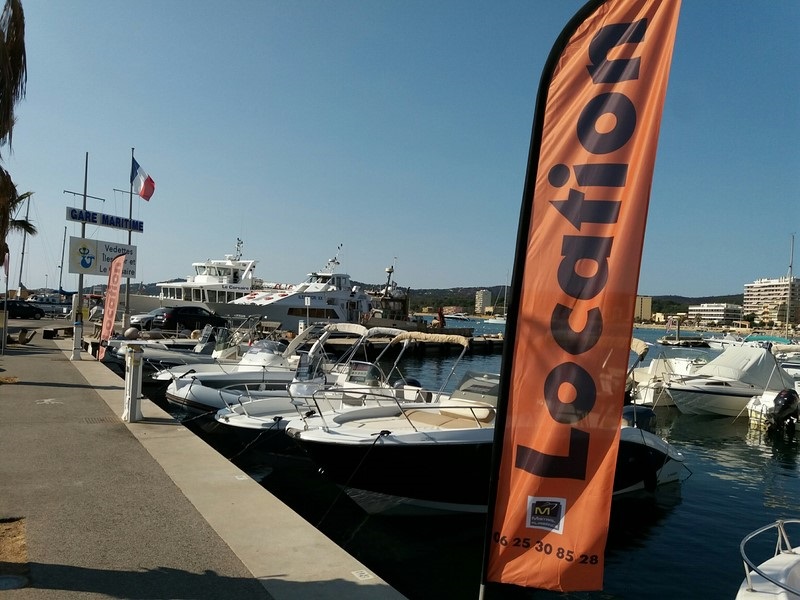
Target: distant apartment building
(483, 302)
(776, 300)
(714, 313)
(644, 309)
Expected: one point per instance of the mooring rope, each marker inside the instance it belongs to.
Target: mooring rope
(379, 435)
(270, 431)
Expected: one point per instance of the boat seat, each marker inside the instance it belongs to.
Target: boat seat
(372, 412)
(481, 411)
(412, 393)
(434, 418)
(455, 414)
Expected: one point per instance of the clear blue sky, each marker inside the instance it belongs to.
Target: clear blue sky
(399, 129)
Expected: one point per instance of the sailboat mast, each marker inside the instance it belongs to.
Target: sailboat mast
(22, 254)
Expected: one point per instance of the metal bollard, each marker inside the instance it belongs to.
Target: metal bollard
(131, 409)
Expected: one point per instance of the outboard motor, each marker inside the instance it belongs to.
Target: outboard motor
(643, 417)
(785, 412)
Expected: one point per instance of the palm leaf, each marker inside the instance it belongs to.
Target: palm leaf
(13, 65)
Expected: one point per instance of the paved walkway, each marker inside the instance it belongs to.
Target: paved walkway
(143, 510)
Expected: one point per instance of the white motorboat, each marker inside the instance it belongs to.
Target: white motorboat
(649, 381)
(751, 339)
(499, 320)
(726, 384)
(435, 457)
(209, 389)
(210, 346)
(777, 577)
(460, 316)
(685, 340)
(257, 356)
(252, 419)
(724, 341)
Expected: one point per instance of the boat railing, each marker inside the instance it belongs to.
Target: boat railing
(241, 395)
(782, 546)
(421, 408)
(452, 413)
(334, 400)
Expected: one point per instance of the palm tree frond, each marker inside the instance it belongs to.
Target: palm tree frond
(13, 65)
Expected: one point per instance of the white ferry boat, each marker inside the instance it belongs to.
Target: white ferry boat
(229, 288)
(326, 296)
(214, 284)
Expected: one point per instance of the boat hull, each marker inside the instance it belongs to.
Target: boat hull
(214, 395)
(696, 401)
(653, 394)
(426, 475)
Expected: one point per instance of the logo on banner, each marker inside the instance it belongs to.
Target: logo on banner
(546, 513)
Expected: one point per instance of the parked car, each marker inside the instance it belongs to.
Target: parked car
(177, 318)
(145, 321)
(20, 309)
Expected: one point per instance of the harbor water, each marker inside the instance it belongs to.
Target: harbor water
(681, 542)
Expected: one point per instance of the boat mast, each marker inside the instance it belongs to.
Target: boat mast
(22, 254)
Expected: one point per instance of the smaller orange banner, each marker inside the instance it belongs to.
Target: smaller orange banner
(112, 299)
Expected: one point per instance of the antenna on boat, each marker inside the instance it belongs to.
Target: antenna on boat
(789, 289)
(239, 244)
(335, 260)
(389, 271)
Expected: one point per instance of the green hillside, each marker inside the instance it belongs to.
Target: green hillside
(465, 297)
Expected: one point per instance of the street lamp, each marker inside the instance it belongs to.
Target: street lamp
(45, 283)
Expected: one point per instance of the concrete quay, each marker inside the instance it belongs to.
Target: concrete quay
(109, 509)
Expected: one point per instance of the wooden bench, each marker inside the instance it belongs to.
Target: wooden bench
(21, 338)
(53, 332)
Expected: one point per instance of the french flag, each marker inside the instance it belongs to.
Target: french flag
(142, 183)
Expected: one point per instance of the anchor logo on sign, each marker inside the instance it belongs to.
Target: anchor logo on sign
(87, 258)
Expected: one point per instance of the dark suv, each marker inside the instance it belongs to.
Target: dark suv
(178, 318)
(21, 309)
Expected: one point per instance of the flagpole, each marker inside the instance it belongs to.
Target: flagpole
(61, 267)
(126, 315)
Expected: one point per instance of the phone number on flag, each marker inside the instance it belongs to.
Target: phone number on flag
(549, 549)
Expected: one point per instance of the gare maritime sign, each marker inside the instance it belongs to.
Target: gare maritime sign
(96, 218)
(94, 257)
